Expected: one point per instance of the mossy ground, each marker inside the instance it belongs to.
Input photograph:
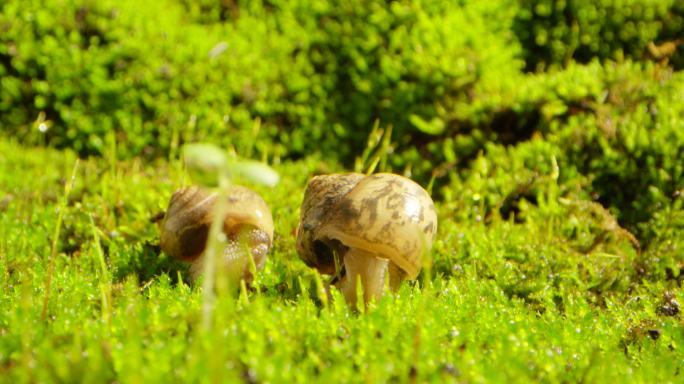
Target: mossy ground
(550, 134)
(505, 300)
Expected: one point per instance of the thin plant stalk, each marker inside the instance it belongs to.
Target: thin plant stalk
(426, 290)
(105, 283)
(210, 254)
(55, 238)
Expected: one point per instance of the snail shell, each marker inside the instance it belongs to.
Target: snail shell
(186, 224)
(356, 217)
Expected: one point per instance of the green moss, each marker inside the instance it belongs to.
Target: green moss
(558, 190)
(520, 287)
(555, 32)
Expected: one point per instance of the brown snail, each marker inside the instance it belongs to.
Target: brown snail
(378, 227)
(248, 226)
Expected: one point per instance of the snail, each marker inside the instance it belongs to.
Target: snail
(248, 225)
(376, 228)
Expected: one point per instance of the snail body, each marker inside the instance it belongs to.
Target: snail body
(378, 227)
(247, 226)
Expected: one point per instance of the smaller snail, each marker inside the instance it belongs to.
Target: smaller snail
(377, 227)
(248, 226)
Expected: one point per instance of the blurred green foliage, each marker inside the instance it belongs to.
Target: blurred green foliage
(151, 76)
(554, 32)
(147, 76)
(290, 79)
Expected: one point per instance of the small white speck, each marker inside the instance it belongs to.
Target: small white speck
(218, 49)
(454, 332)
(42, 127)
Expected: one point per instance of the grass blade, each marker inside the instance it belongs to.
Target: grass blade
(55, 238)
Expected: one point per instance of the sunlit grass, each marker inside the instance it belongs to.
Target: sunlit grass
(503, 302)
